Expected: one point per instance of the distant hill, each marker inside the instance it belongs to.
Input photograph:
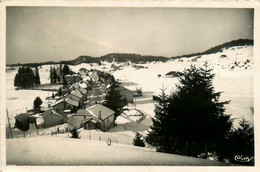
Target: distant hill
(220, 48)
(137, 58)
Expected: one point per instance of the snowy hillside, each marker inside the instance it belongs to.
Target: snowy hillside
(236, 84)
(66, 151)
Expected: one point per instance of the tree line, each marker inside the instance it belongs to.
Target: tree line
(57, 74)
(26, 78)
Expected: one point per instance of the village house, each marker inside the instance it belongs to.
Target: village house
(71, 104)
(104, 114)
(94, 117)
(126, 93)
(76, 95)
(71, 79)
(83, 91)
(52, 118)
(59, 106)
(77, 120)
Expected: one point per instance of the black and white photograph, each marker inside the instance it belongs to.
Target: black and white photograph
(129, 86)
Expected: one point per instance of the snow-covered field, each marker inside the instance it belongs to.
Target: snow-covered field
(67, 151)
(236, 84)
(18, 100)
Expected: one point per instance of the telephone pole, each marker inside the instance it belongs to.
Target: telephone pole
(9, 123)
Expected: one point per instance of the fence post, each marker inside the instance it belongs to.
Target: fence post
(99, 138)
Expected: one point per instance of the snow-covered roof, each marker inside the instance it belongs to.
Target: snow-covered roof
(98, 108)
(57, 102)
(83, 91)
(72, 102)
(83, 112)
(86, 78)
(51, 112)
(76, 93)
(124, 88)
(83, 85)
(23, 117)
(75, 121)
(76, 85)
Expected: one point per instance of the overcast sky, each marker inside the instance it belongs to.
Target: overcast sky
(38, 34)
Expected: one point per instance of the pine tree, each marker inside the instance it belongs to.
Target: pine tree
(54, 75)
(51, 75)
(17, 80)
(138, 141)
(192, 120)
(66, 70)
(24, 78)
(37, 104)
(59, 93)
(242, 140)
(74, 134)
(113, 99)
(37, 77)
(58, 74)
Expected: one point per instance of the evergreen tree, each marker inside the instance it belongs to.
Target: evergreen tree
(66, 70)
(242, 140)
(59, 93)
(113, 99)
(58, 74)
(53, 96)
(74, 134)
(138, 141)
(51, 75)
(37, 77)
(64, 82)
(158, 136)
(24, 78)
(54, 75)
(17, 80)
(192, 119)
(37, 104)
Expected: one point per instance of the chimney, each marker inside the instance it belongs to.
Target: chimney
(99, 115)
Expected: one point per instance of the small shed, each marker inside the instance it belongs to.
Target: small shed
(23, 121)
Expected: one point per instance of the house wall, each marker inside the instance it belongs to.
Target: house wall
(127, 94)
(74, 97)
(108, 123)
(168, 76)
(76, 79)
(59, 108)
(53, 120)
